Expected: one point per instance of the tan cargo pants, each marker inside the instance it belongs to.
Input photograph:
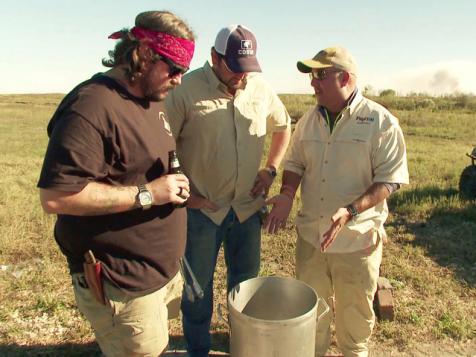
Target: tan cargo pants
(128, 326)
(350, 281)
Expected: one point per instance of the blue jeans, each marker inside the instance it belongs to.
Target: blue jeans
(241, 242)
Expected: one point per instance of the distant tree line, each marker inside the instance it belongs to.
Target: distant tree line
(421, 101)
(298, 104)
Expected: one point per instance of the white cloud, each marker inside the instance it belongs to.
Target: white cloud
(458, 76)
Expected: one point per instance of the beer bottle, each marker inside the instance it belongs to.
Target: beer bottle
(174, 168)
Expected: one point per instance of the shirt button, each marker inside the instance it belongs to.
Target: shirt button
(325, 162)
(323, 180)
(322, 216)
(322, 198)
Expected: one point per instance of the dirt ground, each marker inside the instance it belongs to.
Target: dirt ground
(442, 349)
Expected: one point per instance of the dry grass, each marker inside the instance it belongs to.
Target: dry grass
(430, 258)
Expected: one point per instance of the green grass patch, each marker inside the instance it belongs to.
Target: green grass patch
(430, 257)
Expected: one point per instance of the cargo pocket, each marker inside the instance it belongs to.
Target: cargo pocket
(141, 323)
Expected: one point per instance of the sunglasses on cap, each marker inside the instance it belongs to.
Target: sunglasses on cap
(321, 73)
(174, 69)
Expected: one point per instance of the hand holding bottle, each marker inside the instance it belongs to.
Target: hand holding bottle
(167, 188)
(175, 169)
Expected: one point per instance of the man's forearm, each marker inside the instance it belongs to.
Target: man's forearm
(290, 183)
(95, 199)
(278, 146)
(375, 194)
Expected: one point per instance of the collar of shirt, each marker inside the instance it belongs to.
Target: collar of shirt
(354, 100)
(212, 78)
(352, 103)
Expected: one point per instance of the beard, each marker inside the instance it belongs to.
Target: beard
(154, 94)
(237, 84)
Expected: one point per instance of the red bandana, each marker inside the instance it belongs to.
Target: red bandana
(177, 49)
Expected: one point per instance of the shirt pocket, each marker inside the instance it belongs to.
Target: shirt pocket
(352, 165)
(313, 150)
(255, 113)
(206, 120)
(360, 133)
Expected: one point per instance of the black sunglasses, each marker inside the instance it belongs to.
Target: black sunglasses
(174, 69)
(321, 73)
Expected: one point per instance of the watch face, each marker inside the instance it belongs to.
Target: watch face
(145, 198)
(272, 172)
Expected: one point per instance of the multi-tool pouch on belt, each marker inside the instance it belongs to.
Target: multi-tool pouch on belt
(92, 273)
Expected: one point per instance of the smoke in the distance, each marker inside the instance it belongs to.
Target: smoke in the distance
(435, 79)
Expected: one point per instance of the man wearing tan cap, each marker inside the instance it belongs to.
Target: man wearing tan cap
(348, 154)
(220, 119)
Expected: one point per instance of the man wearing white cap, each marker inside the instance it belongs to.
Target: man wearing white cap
(348, 154)
(220, 119)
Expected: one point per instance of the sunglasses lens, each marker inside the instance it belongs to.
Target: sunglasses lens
(319, 74)
(174, 70)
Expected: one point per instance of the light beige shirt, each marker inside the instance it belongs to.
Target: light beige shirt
(366, 146)
(220, 137)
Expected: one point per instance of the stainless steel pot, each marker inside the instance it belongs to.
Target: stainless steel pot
(273, 317)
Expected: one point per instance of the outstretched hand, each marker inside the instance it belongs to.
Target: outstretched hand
(339, 219)
(278, 216)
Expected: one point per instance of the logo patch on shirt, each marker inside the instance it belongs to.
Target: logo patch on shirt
(364, 120)
(166, 123)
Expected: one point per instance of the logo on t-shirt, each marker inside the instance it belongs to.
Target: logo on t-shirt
(166, 123)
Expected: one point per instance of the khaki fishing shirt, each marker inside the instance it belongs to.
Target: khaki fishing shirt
(366, 146)
(220, 137)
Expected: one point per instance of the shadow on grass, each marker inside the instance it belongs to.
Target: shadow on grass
(67, 349)
(448, 235)
(176, 343)
(220, 342)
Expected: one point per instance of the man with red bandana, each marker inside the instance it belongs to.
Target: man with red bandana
(105, 174)
(220, 116)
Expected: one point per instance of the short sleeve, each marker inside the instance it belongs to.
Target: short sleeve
(75, 155)
(390, 158)
(175, 111)
(294, 158)
(278, 116)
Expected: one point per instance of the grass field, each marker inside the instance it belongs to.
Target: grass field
(430, 258)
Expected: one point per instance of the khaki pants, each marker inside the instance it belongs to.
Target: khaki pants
(126, 326)
(351, 280)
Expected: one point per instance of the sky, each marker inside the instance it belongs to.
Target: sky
(421, 46)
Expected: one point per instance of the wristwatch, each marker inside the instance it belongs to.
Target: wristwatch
(271, 171)
(144, 197)
(352, 210)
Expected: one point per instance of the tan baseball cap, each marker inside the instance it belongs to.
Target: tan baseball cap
(337, 57)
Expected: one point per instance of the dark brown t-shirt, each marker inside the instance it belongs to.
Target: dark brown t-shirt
(102, 133)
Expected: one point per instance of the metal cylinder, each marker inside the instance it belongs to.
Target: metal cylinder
(273, 317)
